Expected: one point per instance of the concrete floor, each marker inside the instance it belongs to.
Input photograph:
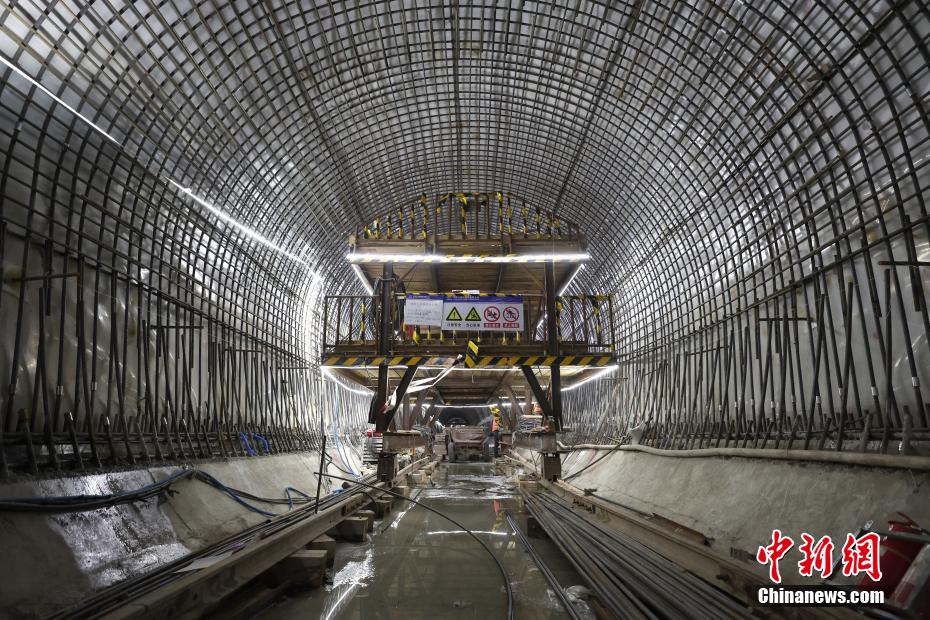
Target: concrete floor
(418, 565)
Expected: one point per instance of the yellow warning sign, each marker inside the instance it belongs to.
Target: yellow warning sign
(455, 316)
(472, 315)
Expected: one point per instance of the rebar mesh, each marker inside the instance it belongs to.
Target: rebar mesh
(742, 171)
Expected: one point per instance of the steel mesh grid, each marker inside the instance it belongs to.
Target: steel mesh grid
(720, 155)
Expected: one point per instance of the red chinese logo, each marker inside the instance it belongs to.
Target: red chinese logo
(817, 556)
(773, 553)
(859, 555)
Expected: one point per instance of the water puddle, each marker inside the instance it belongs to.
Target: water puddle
(419, 565)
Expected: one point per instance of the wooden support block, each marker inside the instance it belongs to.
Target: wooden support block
(418, 478)
(382, 507)
(247, 602)
(400, 490)
(370, 515)
(551, 467)
(352, 529)
(303, 568)
(534, 529)
(326, 543)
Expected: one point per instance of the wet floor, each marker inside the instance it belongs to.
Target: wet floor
(418, 565)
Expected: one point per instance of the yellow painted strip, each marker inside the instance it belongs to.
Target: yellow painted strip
(396, 361)
(486, 361)
(585, 360)
(531, 361)
(413, 361)
(550, 360)
(331, 361)
(603, 360)
(567, 360)
(350, 361)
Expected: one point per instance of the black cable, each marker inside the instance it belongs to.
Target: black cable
(332, 462)
(83, 503)
(594, 462)
(500, 566)
(591, 493)
(80, 503)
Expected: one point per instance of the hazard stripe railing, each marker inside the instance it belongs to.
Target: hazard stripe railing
(475, 362)
(583, 321)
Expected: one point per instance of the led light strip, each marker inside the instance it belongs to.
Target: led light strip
(464, 258)
(474, 405)
(57, 99)
(597, 375)
(363, 279)
(250, 233)
(330, 376)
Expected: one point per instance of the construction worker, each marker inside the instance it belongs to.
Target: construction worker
(496, 429)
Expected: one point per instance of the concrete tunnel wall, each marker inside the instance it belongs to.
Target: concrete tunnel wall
(62, 558)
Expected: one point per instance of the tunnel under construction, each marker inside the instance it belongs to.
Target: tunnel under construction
(504, 309)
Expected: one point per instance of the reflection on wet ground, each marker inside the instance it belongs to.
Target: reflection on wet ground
(418, 565)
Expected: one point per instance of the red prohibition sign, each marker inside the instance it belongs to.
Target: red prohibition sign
(511, 314)
(491, 314)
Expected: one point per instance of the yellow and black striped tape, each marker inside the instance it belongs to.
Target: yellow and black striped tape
(476, 361)
(471, 354)
(398, 360)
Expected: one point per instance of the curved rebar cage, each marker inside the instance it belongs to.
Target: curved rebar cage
(478, 216)
(179, 180)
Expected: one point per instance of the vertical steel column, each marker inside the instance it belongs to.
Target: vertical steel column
(385, 336)
(552, 346)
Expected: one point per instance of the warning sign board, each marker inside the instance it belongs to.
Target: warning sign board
(497, 314)
(423, 310)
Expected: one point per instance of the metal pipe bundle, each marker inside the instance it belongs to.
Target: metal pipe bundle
(630, 580)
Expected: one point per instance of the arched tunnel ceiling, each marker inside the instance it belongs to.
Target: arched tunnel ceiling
(634, 119)
(717, 154)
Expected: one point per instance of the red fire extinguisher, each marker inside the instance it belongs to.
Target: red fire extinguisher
(913, 593)
(896, 556)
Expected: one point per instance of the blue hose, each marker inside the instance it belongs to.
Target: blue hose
(205, 477)
(248, 447)
(264, 442)
(290, 500)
